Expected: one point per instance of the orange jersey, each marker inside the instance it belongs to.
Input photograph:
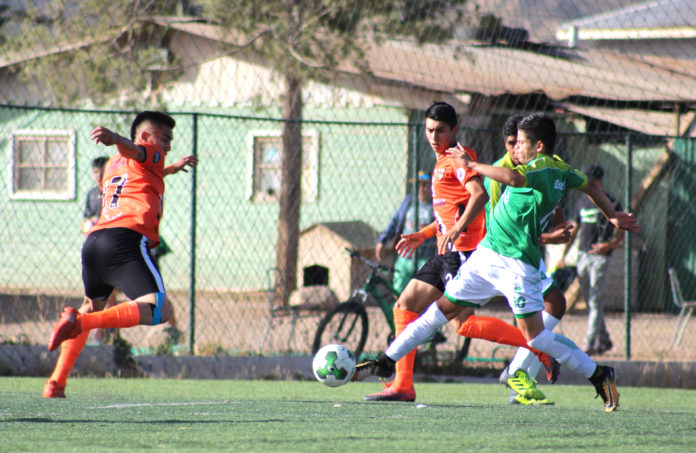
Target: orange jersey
(450, 198)
(133, 194)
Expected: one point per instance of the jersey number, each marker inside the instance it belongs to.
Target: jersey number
(119, 182)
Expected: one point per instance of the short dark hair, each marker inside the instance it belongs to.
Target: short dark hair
(156, 117)
(442, 111)
(593, 172)
(99, 162)
(510, 126)
(539, 128)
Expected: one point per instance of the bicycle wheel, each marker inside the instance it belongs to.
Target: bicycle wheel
(345, 324)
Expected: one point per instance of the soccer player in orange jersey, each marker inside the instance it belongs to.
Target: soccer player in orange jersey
(116, 253)
(458, 201)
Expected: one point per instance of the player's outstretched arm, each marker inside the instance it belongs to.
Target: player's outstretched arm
(125, 146)
(180, 165)
(500, 174)
(620, 219)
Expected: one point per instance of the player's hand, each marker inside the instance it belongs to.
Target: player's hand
(181, 164)
(409, 243)
(105, 136)
(625, 221)
(446, 242)
(559, 235)
(600, 248)
(460, 153)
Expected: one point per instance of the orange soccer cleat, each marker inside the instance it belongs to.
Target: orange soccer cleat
(69, 326)
(52, 389)
(392, 394)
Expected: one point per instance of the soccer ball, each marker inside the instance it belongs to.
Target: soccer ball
(333, 365)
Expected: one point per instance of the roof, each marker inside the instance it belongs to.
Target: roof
(356, 233)
(495, 70)
(414, 75)
(651, 123)
(656, 13)
(657, 19)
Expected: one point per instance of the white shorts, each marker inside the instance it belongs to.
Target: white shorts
(487, 274)
(547, 283)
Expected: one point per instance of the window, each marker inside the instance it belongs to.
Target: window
(43, 165)
(267, 152)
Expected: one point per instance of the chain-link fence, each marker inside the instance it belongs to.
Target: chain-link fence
(221, 220)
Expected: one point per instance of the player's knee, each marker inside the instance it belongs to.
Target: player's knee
(90, 305)
(555, 303)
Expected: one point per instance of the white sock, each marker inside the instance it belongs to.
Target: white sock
(417, 332)
(525, 359)
(565, 351)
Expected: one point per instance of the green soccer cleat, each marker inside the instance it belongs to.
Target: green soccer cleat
(516, 398)
(524, 385)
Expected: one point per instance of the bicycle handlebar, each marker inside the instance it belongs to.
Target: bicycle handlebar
(373, 264)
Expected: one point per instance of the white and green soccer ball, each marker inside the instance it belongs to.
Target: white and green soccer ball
(333, 365)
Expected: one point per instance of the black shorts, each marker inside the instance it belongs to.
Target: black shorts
(439, 269)
(118, 258)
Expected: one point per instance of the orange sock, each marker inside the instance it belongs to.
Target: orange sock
(403, 375)
(69, 351)
(126, 314)
(495, 330)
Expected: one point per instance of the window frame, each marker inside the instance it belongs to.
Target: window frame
(70, 191)
(312, 166)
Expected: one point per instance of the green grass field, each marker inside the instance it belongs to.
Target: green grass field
(218, 415)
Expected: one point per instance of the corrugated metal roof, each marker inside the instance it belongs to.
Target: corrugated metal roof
(657, 13)
(647, 122)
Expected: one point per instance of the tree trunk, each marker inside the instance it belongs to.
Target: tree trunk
(291, 184)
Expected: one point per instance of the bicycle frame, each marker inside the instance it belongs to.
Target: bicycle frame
(371, 287)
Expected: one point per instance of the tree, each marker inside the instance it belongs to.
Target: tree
(301, 39)
(310, 39)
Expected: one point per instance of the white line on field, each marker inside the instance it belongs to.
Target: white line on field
(191, 403)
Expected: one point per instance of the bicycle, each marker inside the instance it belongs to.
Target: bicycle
(347, 323)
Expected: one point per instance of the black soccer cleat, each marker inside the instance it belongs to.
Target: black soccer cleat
(604, 381)
(382, 367)
(553, 370)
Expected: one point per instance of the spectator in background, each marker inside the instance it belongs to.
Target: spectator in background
(598, 238)
(93, 202)
(416, 219)
(404, 222)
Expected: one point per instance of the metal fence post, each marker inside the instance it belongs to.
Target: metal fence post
(627, 249)
(192, 263)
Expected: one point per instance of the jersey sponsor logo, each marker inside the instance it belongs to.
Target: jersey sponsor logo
(440, 173)
(461, 174)
(156, 157)
(438, 202)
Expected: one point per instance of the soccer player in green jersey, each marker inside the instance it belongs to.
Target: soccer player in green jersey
(520, 373)
(506, 262)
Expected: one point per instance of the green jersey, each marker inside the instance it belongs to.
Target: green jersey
(523, 213)
(495, 188)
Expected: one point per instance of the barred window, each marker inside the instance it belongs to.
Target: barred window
(43, 164)
(267, 158)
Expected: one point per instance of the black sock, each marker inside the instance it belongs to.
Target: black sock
(597, 375)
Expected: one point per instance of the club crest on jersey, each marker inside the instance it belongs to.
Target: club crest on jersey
(461, 174)
(156, 157)
(559, 185)
(440, 173)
